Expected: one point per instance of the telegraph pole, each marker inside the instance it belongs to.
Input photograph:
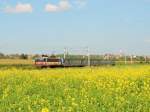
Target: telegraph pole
(145, 59)
(131, 59)
(125, 59)
(65, 50)
(88, 54)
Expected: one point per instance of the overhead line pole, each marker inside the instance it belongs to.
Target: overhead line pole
(65, 53)
(125, 59)
(131, 59)
(88, 54)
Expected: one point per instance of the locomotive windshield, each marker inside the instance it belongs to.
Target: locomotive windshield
(53, 60)
(39, 60)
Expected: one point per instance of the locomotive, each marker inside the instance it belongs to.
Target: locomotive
(52, 62)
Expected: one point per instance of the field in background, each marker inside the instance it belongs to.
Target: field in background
(96, 89)
(16, 62)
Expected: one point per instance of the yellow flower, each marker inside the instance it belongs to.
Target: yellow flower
(45, 110)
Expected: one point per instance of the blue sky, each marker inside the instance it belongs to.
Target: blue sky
(46, 26)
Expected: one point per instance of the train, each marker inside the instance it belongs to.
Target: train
(45, 62)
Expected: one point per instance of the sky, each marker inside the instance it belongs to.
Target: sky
(48, 26)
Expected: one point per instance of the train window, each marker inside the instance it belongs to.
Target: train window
(53, 60)
(44, 59)
(39, 60)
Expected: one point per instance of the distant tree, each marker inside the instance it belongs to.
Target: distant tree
(23, 56)
(35, 56)
(141, 58)
(53, 56)
(2, 55)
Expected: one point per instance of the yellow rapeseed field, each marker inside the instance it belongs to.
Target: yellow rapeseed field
(95, 89)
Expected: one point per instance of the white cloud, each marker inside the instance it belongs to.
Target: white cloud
(51, 8)
(19, 8)
(63, 5)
